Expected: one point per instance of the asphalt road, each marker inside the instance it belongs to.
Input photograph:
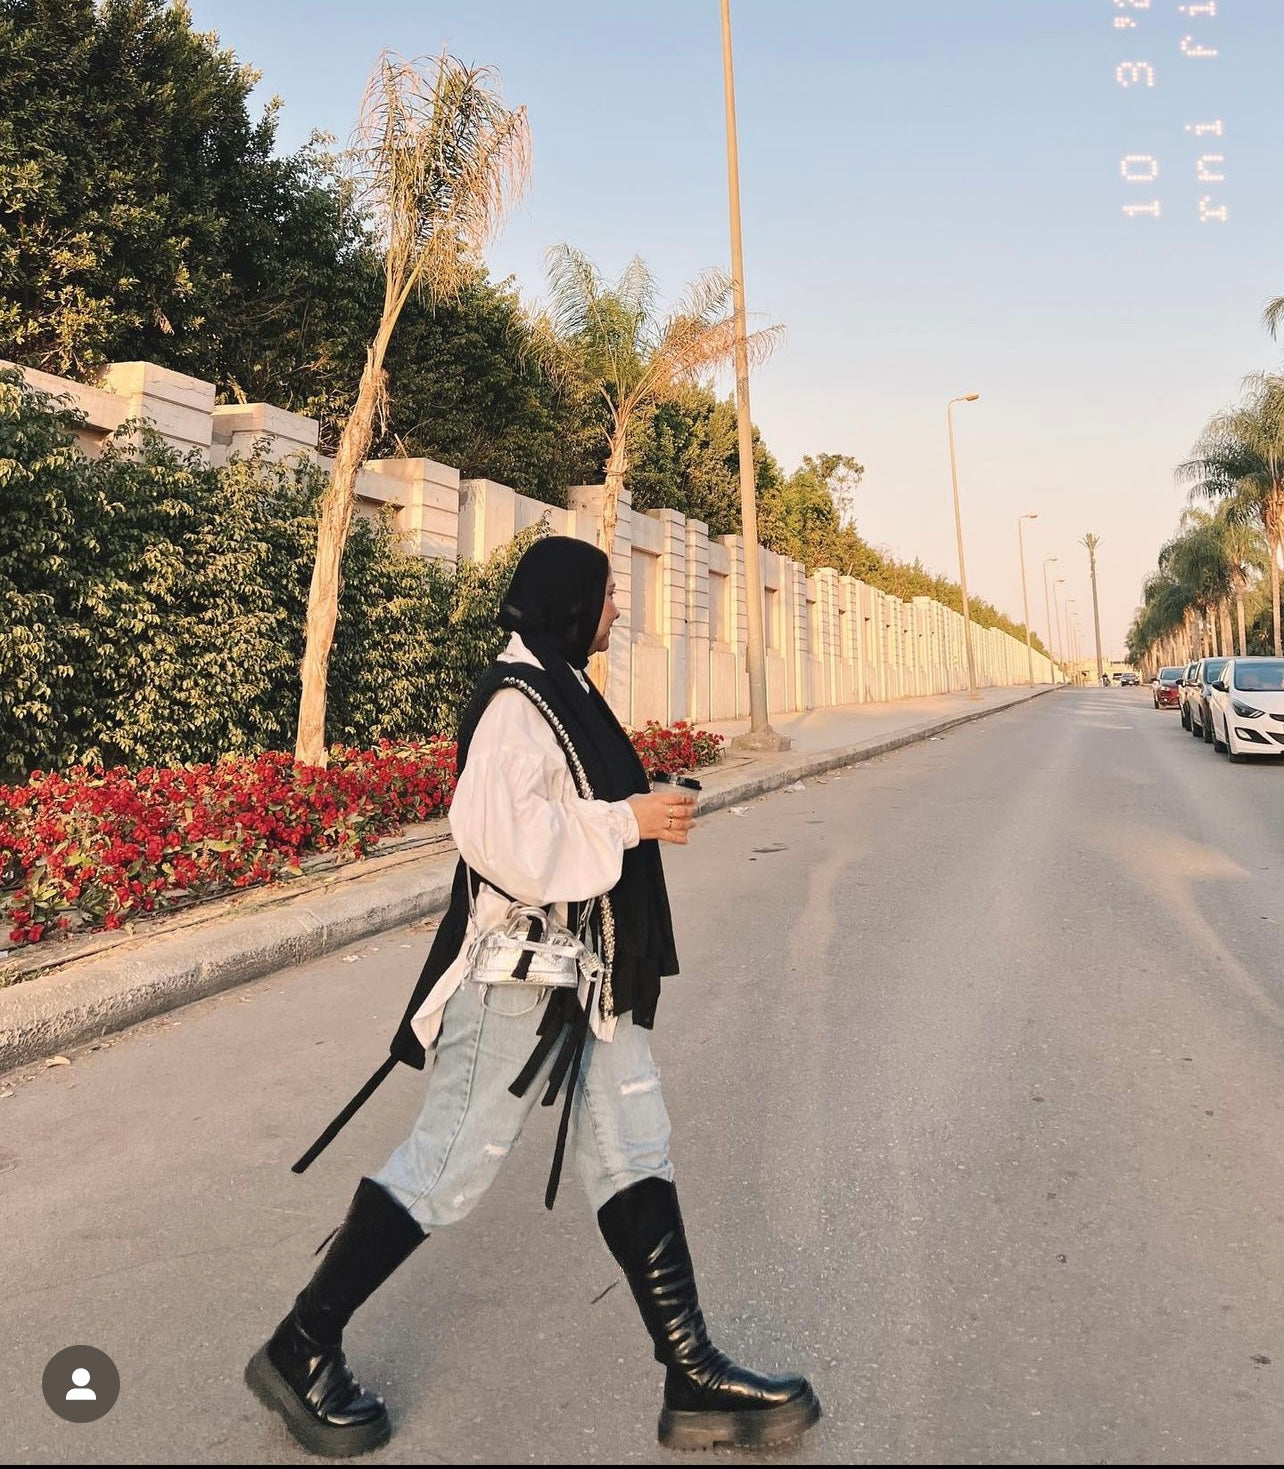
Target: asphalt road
(976, 1069)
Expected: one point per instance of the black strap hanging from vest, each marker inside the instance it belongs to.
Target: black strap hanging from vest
(567, 1021)
(344, 1117)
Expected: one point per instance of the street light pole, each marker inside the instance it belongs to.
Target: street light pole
(1047, 617)
(761, 736)
(1056, 607)
(972, 691)
(1092, 542)
(1025, 597)
(1072, 642)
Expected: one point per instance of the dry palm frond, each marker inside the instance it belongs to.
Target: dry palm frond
(437, 162)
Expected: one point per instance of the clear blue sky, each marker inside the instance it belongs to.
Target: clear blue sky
(933, 205)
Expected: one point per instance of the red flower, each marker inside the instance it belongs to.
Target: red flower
(103, 845)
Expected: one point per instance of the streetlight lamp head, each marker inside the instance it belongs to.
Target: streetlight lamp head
(1031, 515)
(970, 397)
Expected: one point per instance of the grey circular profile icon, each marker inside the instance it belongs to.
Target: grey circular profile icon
(81, 1384)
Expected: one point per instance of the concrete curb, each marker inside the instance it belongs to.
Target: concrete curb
(78, 1005)
(785, 769)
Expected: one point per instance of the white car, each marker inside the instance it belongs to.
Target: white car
(1247, 708)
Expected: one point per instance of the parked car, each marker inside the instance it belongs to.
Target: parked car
(1183, 691)
(1166, 687)
(1198, 696)
(1246, 708)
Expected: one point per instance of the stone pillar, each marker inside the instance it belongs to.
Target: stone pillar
(851, 645)
(487, 518)
(673, 609)
(891, 637)
(880, 681)
(587, 501)
(828, 660)
(427, 496)
(738, 618)
(179, 407)
(698, 620)
(239, 429)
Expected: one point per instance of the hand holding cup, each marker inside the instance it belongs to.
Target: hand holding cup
(665, 815)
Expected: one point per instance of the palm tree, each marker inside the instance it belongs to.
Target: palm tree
(1091, 542)
(1201, 558)
(438, 161)
(1239, 462)
(614, 337)
(1245, 551)
(1165, 625)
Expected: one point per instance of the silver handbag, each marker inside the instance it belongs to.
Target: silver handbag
(529, 947)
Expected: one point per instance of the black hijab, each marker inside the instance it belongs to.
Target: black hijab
(554, 602)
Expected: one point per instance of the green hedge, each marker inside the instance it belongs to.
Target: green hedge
(152, 609)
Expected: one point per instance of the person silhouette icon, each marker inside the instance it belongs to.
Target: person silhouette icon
(82, 1392)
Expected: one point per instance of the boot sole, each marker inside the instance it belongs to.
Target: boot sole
(272, 1390)
(758, 1429)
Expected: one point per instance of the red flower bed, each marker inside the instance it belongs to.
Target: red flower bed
(676, 748)
(91, 849)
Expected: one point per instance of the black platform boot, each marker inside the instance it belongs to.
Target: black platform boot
(708, 1399)
(300, 1372)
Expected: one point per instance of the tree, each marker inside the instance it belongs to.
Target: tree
(142, 214)
(1239, 461)
(614, 338)
(1245, 558)
(1166, 608)
(465, 390)
(800, 518)
(1196, 560)
(438, 161)
(684, 455)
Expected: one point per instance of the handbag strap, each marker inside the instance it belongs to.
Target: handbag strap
(584, 788)
(577, 925)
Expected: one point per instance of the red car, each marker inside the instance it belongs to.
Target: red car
(1166, 687)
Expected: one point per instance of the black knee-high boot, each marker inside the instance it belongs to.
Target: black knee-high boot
(708, 1399)
(300, 1372)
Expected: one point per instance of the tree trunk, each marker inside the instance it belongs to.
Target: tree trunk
(1275, 595)
(1228, 642)
(616, 464)
(1239, 615)
(334, 518)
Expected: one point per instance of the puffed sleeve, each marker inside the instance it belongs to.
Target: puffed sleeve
(515, 822)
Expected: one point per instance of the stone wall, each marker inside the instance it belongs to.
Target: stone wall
(679, 647)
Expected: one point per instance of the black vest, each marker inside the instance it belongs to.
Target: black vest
(644, 950)
(644, 946)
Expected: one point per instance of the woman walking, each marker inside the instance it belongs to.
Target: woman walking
(552, 811)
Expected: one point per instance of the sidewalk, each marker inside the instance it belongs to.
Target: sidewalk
(112, 981)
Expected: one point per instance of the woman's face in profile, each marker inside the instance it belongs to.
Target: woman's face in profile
(609, 613)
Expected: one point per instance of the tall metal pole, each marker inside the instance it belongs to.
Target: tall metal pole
(1047, 617)
(972, 691)
(1025, 598)
(761, 736)
(1056, 607)
(1072, 642)
(1092, 542)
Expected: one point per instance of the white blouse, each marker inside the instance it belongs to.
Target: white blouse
(518, 820)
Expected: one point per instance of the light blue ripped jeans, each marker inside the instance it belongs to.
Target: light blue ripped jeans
(619, 1132)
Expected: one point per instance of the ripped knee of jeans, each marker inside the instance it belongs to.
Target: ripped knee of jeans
(648, 1083)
